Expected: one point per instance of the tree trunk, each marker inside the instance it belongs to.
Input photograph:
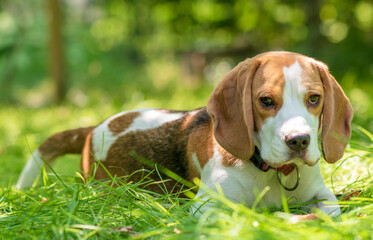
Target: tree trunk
(57, 58)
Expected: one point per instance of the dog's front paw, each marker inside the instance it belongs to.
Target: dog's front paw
(331, 208)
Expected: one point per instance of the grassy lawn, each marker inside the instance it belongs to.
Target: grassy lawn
(65, 208)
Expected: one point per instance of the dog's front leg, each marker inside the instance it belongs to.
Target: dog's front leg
(329, 203)
(215, 176)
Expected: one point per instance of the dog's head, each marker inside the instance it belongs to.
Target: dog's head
(280, 102)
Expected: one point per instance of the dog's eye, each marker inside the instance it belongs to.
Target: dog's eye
(314, 100)
(267, 102)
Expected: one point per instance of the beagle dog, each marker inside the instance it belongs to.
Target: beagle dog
(258, 132)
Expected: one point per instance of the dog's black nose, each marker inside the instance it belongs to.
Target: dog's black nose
(298, 142)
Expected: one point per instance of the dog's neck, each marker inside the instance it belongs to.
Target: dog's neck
(258, 162)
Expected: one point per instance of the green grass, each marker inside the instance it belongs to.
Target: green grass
(114, 209)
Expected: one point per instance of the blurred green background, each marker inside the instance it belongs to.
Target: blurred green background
(165, 53)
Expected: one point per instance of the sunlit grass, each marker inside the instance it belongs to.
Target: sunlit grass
(115, 209)
(102, 209)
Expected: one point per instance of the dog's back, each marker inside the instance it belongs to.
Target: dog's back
(120, 142)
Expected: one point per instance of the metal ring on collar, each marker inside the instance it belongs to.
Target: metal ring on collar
(296, 184)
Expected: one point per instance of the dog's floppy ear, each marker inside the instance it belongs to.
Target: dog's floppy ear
(231, 109)
(337, 116)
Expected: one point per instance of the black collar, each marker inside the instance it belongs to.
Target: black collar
(258, 161)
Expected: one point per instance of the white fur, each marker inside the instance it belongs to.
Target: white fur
(30, 171)
(293, 117)
(196, 163)
(103, 138)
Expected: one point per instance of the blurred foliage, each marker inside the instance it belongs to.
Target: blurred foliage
(125, 52)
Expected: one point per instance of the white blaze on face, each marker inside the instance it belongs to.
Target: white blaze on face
(292, 118)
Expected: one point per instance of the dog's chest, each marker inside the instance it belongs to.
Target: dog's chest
(268, 184)
(247, 184)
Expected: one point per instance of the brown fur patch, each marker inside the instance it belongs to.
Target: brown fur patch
(166, 146)
(228, 159)
(337, 116)
(269, 82)
(121, 123)
(188, 120)
(201, 143)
